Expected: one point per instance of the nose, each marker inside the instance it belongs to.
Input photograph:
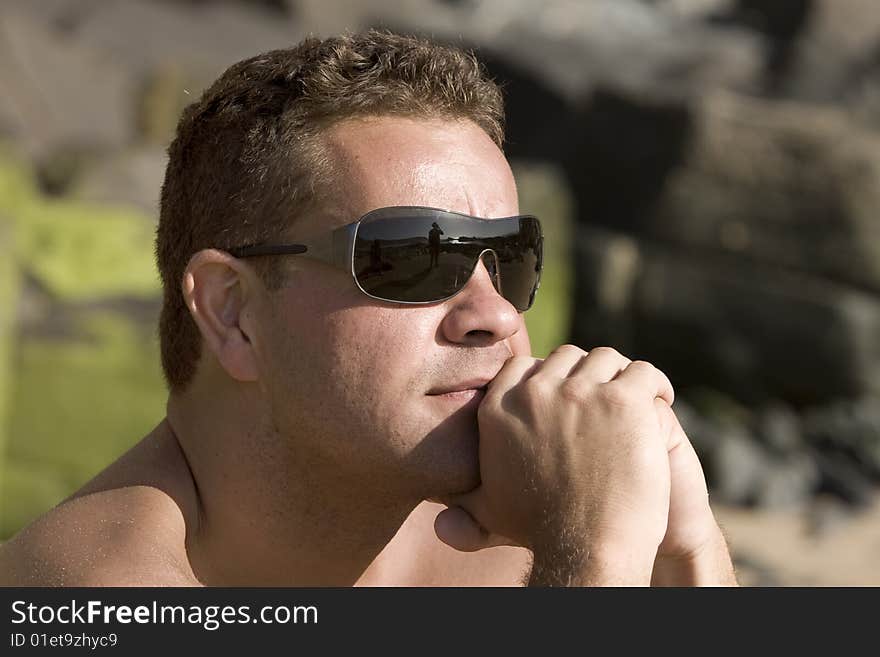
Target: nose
(479, 315)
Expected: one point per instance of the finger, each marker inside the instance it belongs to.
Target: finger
(687, 478)
(457, 528)
(683, 459)
(688, 501)
(474, 503)
(648, 379)
(601, 365)
(560, 362)
(512, 372)
(669, 426)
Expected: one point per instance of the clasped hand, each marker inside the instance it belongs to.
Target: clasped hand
(583, 461)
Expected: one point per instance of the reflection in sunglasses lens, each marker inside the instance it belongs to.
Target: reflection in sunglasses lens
(425, 259)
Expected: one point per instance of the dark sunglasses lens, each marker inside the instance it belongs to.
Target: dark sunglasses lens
(424, 258)
(520, 262)
(411, 259)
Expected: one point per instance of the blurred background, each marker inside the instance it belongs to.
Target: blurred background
(708, 172)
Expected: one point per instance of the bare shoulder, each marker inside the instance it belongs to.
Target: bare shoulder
(127, 536)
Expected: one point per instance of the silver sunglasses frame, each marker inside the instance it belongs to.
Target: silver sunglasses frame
(337, 248)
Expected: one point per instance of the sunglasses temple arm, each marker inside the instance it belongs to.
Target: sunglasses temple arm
(335, 248)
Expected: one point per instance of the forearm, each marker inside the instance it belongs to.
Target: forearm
(711, 565)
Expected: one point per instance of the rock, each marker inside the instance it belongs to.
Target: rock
(431, 16)
(849, 428)
(606, 265)
(778, 427)
(841, 476)
(619, 153)
(132, 177)
(839, 36)
(736, 468)
(702, 432)
(208, 38)
(777, 183)
(573, 46)
(141, 62)
(78, 250)
(56, 15)
(741, 328)
(752, 571)
(863, 94)
(43, 105)
(719, 408)
(694, 9)
(617, 44)
(61, 166)
(827, 514)
(788, 482)
(164, 93)
(781, 22)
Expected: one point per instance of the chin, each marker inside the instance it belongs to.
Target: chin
(447, 460)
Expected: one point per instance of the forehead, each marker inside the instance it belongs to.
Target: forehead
(386, 161)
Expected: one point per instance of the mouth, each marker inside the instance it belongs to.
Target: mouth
(469, 386)
(465, 393)
(462, 395)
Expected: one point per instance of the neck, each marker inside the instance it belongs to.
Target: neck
(265, 516)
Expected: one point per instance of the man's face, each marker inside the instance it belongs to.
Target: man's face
(356, 384)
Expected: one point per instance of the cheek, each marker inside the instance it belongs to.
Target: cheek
(328, 345)
(375, 369)
(379, 345)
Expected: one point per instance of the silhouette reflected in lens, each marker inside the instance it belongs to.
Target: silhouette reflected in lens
(397, 256)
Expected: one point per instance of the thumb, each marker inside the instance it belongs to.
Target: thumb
(458, 529)
(455, 527)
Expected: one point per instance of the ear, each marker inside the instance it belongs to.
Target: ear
(216, 290)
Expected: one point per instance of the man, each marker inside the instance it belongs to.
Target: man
(434, 243)
(313, 412)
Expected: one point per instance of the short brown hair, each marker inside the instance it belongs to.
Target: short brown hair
(243, 163)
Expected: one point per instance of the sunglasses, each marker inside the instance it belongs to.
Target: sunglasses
(420, 255)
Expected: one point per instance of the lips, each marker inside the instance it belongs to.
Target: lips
(461, 387)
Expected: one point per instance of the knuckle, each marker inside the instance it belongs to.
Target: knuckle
(535, 397)
(652, 370)
(517, 363)
(569, 348)
(538, 386)
(574, 390)
(616, 395)
(610, 353)
(643, 365)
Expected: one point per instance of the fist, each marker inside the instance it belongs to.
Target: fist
(573, 455)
